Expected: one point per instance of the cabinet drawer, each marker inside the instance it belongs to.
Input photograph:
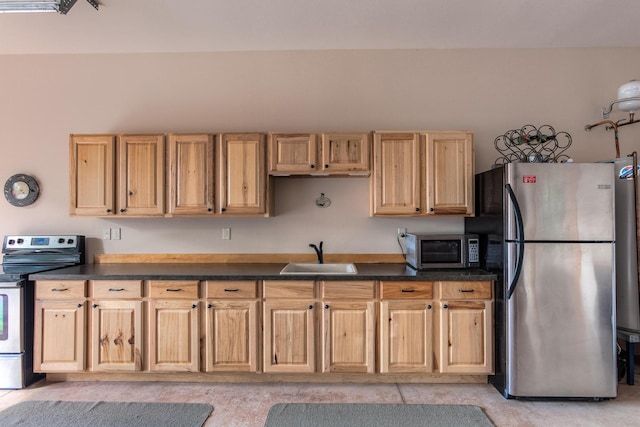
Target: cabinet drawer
(347, 290)
(231, 289)
(406, 290)
(174, 289)
(465, 290)
(288, 289)
(115, 289)
(60, 289)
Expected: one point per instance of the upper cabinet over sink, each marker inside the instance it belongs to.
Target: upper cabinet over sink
(329, 153)
(422, 174)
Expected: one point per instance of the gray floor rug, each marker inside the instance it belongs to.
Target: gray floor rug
(373, 414)
(57, 413)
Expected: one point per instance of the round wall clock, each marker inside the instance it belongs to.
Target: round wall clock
(21, 190)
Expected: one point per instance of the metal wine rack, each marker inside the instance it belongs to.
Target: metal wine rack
(532, 145)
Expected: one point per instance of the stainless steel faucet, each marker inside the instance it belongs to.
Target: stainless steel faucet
(318, 252)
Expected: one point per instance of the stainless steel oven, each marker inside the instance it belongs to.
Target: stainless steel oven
(24, 255)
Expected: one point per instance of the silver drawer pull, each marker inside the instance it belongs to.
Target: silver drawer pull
(407, 290)
(231, 290)
(174, 290)
(116, 290)
(465, 290)
(59, 290)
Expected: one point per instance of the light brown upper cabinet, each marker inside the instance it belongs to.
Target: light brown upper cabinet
(422, 173)
(190, 164)
(345, 153)
(92, 180)
(329, 153)
(141, 175)
(243, 181)
(138, 185)
(293, 153)
(395, 182)
(449, 167)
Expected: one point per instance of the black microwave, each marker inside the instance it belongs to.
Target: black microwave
(426, 251)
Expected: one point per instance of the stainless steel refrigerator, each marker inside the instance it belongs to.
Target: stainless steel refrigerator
(547, 230)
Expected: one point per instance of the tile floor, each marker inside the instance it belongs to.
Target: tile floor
(238, 404)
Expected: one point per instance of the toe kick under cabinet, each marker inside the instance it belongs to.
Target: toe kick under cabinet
(271, 330)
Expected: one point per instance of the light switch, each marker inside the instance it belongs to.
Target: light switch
(226, 234)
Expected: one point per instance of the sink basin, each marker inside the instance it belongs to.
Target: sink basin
(313, 268)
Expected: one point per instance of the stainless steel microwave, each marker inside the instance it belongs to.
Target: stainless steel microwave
(425, 251)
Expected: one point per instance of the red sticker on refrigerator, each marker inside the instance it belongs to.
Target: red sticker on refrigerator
(529, 179)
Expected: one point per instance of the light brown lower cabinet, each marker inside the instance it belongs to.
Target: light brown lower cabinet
(115, 336)
(348, 327)
(406, 327)
(231, 326)
(289, 327)
(466, 327)
(272, 326)
(174, 338)
(60, 326)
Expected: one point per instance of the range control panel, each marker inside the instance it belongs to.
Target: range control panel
(36, 243)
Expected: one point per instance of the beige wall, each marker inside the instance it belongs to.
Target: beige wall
(45, 98)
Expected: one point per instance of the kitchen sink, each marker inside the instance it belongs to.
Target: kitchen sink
(314, 268)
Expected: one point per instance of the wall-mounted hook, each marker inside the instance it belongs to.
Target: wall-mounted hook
(322, 201)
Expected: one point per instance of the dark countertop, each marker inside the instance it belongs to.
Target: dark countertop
(250, 272)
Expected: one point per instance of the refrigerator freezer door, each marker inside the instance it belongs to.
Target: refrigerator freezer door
(561, 323)
(562, 202)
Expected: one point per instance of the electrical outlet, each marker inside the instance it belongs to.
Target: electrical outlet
(402, 232)
(106, 234)
(226, 234)
(115, 234)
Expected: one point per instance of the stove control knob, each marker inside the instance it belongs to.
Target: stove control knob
(12, 242)
(20, 241)
(60, 240)
(70, 241)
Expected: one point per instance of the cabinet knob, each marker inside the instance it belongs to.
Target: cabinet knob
(79, 305)
(431, 210)
(313, 166)
(223, 209)
(193, 306)
(417, 209)
(326, 306)
(209, 209)
(326, 166)
(94, 305)
(310, 306)
(108, 210)
(428, 306)
(131, 193)
(445, 306)
(122, 209)
(209, 306)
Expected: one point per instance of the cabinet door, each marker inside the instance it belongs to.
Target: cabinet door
(346, 153)
(141, 175)
(466, 337)
(59, 344)
(115, 339)
(243, 179)
(174, 341)
(406, 336)
(348, 336)
(449, 166)
(92, 165)
(291, 154)
(231, 336)
(289, 336)
(191, 175)
(396, 186)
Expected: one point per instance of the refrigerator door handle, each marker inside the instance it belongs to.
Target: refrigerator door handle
(519, 238)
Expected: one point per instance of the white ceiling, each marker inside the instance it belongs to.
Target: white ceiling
(255, 25)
